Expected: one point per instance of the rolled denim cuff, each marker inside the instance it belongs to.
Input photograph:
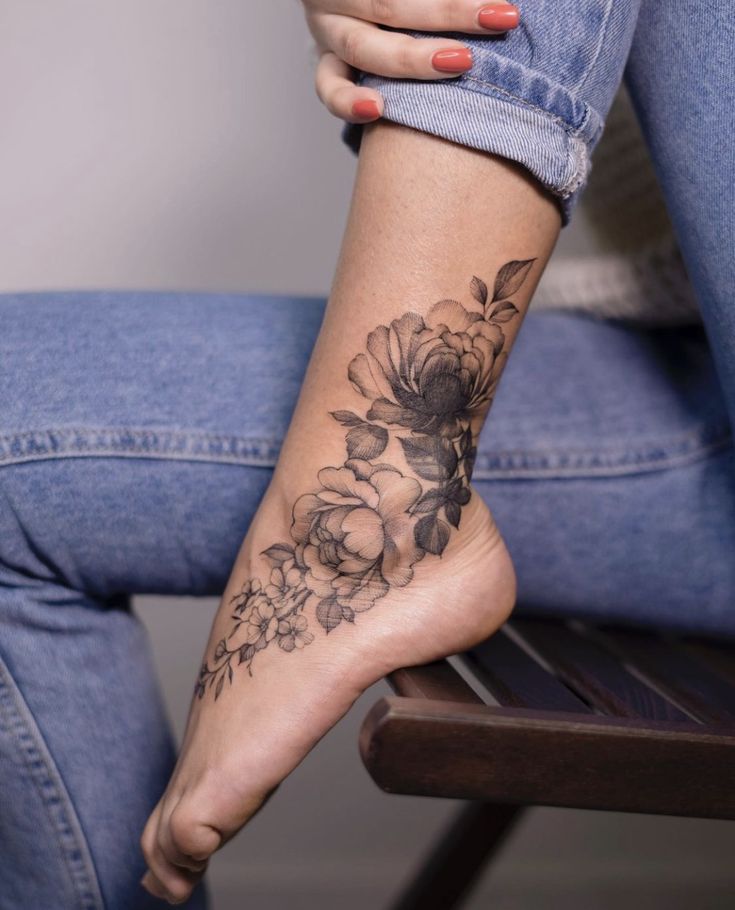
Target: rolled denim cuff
(506, 110)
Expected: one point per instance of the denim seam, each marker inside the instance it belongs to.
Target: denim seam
(53, 793)
(598, 50)
(581, 463)
(126, 441)
(518, 99)
(222, 448)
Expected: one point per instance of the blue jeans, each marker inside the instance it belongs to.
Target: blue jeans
(540, 95)
(138, 433)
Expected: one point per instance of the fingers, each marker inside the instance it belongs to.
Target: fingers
(348, 37)
(341, 96)
(366, 47)
(177, 852)
(473, 17)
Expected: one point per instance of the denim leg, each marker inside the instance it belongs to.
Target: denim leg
(136, 438)
(538, 95)
(682, 82)
(137, 435)
(607, 461)
(85, 749)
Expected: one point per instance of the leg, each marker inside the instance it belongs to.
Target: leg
(308, 561)
(136, 465)
(130, 461)
(616, 491)
(457, 860)
(689, 134)
(84, 748)
(282, 664)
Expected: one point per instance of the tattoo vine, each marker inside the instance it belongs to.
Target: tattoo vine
(367, 525)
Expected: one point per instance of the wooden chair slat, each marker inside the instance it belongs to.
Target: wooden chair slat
(593, 672)
(438, 680)
(517, 680)
(697, 690)
(517, 756)
(662, 740)
(716, 657)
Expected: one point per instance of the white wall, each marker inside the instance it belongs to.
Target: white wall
(155, 143)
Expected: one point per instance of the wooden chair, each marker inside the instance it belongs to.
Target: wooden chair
(550, 713)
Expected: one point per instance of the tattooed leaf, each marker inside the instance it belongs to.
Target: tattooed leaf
(458, 491)
(366, 441)
(229, 672)
(346, 418)
(453, 513)
(429, 502)
(431, 534)
(469, 464)
(479, 290)
(430, 458)
(465, 443)
(503, 312)
(279, 552)
(329, 614)
(247, 652)
(511, 277)
(348, 613)
(220, 650)
(464, 494)
(218, 690)
(447, 456)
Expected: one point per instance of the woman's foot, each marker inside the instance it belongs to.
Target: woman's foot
(283, 684)
(388, 561)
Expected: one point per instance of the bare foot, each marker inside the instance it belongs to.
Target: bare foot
(389, 561)
(241, 745)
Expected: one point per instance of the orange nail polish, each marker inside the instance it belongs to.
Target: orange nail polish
(452, 60)
(500, 17)
(366, 108)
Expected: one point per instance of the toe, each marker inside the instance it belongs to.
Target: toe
(187, 838)
(172, 874)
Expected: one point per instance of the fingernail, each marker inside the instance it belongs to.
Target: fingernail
(367, 108)
(499, 17)
(454, 60)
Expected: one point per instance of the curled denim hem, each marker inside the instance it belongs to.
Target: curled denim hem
(19, 721)
(480, 114)
(644, 456)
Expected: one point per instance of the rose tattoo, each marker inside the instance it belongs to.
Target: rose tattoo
(367, 524)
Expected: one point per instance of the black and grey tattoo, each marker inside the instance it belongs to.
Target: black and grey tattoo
(362, 531)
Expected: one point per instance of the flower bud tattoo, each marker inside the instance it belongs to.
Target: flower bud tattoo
(362, 531)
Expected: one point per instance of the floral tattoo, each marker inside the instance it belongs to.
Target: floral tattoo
(428, 380)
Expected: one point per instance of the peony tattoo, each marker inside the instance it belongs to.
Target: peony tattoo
(366, 526)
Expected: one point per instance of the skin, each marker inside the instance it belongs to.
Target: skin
(425, 216)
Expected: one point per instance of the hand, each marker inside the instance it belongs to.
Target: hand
(348, 36)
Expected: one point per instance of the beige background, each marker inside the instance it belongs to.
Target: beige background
(179, 144)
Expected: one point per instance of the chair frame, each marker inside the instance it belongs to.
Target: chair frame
(554, 713)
